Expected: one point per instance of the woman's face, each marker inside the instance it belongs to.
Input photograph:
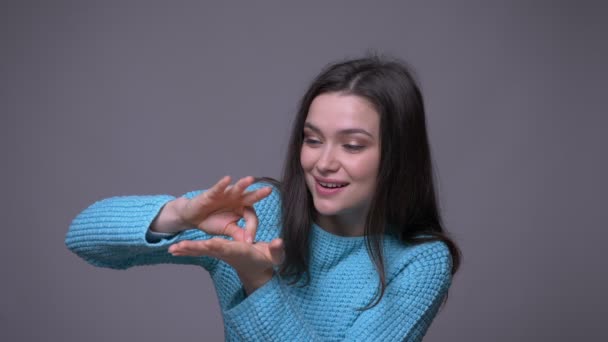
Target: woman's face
(341, 153)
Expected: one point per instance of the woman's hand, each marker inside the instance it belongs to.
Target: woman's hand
(217, 210)
(252, 262)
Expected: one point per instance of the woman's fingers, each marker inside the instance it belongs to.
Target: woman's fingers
(188, 248)
(237, 193)
(197, 248)
(237, 190)
(243, 183)
(230, 251)
(277, 251)
(217, 210)
(251, 197)
(217, 247)
(219, 187)
(234, 231)
(225, 249)
(251, 224)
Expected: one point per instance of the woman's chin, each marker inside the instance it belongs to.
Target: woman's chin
(326, 210)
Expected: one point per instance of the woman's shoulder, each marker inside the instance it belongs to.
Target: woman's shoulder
(270, 205)
(418, 258)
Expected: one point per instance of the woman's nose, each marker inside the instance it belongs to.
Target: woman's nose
(327, 161)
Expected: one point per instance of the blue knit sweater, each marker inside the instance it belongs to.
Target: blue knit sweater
(113, 233)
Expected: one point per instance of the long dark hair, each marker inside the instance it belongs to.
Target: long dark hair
(404, 203)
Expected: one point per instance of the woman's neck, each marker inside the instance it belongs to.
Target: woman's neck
(351, 224)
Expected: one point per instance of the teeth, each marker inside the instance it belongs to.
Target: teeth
(331, 185)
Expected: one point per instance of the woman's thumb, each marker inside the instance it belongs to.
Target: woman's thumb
(277, 251)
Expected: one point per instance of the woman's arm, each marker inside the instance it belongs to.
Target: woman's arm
(112, 233)
(115, 232)
(169, 220)
(411, 301)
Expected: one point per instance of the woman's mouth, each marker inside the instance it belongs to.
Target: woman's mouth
(332, 185)
(329, 188)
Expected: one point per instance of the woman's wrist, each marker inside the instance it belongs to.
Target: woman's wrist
(250, 284)
(168, 220)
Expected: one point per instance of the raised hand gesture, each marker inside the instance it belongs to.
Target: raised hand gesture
(215, 211)
(253, 262)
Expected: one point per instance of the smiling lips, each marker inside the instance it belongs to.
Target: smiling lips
(332, 185)
(329, 187)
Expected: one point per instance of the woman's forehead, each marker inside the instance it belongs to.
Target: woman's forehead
(339, 112)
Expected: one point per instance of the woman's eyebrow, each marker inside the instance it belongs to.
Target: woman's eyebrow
(341, 132)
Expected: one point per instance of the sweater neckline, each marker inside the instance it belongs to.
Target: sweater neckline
(319, 232)
(327, 250)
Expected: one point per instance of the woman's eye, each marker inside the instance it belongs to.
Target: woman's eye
(311, 141)
(352, 147)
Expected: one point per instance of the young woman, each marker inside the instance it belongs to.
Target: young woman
(348, 246)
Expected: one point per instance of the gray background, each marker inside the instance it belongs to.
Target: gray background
(115, 98)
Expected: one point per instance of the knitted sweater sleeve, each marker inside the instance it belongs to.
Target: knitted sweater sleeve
(411, 301)
(114, 233)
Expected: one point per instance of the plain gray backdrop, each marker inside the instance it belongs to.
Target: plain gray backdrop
(161, 97)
